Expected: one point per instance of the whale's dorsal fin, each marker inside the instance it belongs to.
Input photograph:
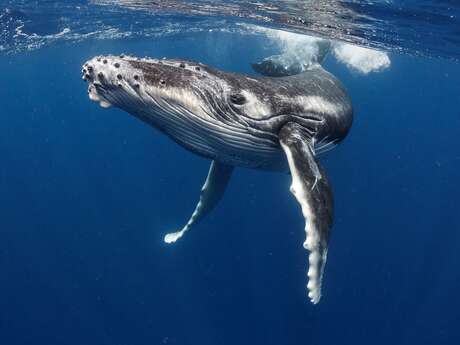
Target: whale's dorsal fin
(311, 188)
(212, 191)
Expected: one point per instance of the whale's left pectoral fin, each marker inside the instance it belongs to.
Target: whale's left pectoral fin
(311, 189)
(211, 193)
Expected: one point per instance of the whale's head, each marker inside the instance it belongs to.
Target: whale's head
(206, 110)
(161, 90)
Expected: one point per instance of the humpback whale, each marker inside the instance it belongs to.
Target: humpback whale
(236, 120)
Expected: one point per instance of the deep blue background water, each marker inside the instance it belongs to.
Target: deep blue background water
(86, 195)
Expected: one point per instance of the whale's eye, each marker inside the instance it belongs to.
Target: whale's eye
(237, 99)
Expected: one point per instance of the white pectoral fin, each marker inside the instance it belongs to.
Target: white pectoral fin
(211, 193)
(312, 191)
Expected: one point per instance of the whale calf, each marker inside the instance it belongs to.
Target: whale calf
(237, 120)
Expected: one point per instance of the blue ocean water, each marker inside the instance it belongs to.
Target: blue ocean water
(87, 194)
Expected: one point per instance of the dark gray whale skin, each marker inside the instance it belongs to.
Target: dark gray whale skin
(253, 108)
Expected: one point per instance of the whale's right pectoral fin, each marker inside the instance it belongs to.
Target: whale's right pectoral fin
(311, 189)
(211, 193)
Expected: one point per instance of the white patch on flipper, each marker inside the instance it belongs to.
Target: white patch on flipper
(173, 236)
(211, 192)
(312, 242)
